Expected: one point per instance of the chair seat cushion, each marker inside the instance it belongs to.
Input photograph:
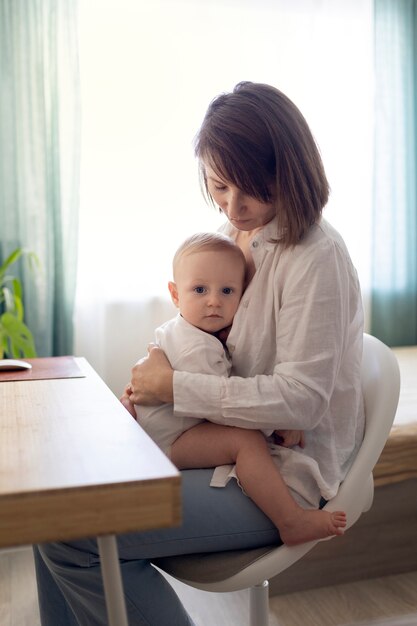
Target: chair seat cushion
(210, 567)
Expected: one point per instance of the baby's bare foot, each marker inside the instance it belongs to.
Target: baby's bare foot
(310, 524)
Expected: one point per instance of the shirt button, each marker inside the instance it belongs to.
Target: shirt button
(231, 349)
(255, 244)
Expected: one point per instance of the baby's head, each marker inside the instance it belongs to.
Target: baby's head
(209, 279)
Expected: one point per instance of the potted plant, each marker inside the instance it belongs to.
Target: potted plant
(16, 339)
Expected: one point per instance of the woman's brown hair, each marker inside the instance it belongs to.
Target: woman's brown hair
(257, 139)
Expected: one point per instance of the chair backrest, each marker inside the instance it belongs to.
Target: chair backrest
(381, 387)
(380, 376)
(381, 391)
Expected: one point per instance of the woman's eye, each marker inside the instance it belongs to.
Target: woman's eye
(200, 289)
(219, 187)
(227, 290)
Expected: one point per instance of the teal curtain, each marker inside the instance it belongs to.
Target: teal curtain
(39, 159)
(394, 273)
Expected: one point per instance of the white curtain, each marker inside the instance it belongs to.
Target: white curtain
(40, 157)
(394, 276)
(148, 71)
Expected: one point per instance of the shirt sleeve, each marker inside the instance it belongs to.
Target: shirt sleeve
(315, 307)
(204, 357)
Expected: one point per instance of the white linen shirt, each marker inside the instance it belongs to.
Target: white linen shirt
(296, 347)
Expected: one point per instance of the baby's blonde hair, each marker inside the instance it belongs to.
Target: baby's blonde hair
(216, 242)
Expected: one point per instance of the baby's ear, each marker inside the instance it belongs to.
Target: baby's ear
(174, 293)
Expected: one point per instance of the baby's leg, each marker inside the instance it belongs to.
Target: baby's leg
(204, 445)
(208, 445)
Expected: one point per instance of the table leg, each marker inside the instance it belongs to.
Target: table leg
(112, 580)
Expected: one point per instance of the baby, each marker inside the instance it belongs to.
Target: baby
(209, 280)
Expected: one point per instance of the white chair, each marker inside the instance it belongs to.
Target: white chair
(232, 571)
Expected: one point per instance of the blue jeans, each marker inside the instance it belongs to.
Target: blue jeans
(68, 574)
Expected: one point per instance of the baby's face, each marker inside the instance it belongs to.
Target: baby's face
(209, 286)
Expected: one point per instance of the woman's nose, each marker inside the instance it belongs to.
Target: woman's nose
(234, 204)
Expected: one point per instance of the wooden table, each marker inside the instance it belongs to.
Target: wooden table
(73, 464)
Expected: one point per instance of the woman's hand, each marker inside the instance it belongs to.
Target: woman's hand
(152, 379)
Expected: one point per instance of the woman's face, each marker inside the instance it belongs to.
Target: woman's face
(243, 211)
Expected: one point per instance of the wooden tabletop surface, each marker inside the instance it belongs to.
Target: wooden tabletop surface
(74, 463)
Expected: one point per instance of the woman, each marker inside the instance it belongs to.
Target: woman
(296, 346)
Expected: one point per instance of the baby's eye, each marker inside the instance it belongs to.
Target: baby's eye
(199, 289)
(227, 290)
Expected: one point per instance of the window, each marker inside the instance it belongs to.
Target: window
(148, 71)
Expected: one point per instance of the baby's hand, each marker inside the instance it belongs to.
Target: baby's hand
(289, 438)
(126, 401)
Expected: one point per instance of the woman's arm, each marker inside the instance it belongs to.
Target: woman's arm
(152, 379)
(312, 334)
(187, 348)
(315, 328)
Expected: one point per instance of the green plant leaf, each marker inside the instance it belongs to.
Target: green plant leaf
(15, 337)
(13, 303)
(19, 338)
(18, 308)
(12, 258)
(34, 261)
(3, 343)
(8, 299)
(17, 287)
